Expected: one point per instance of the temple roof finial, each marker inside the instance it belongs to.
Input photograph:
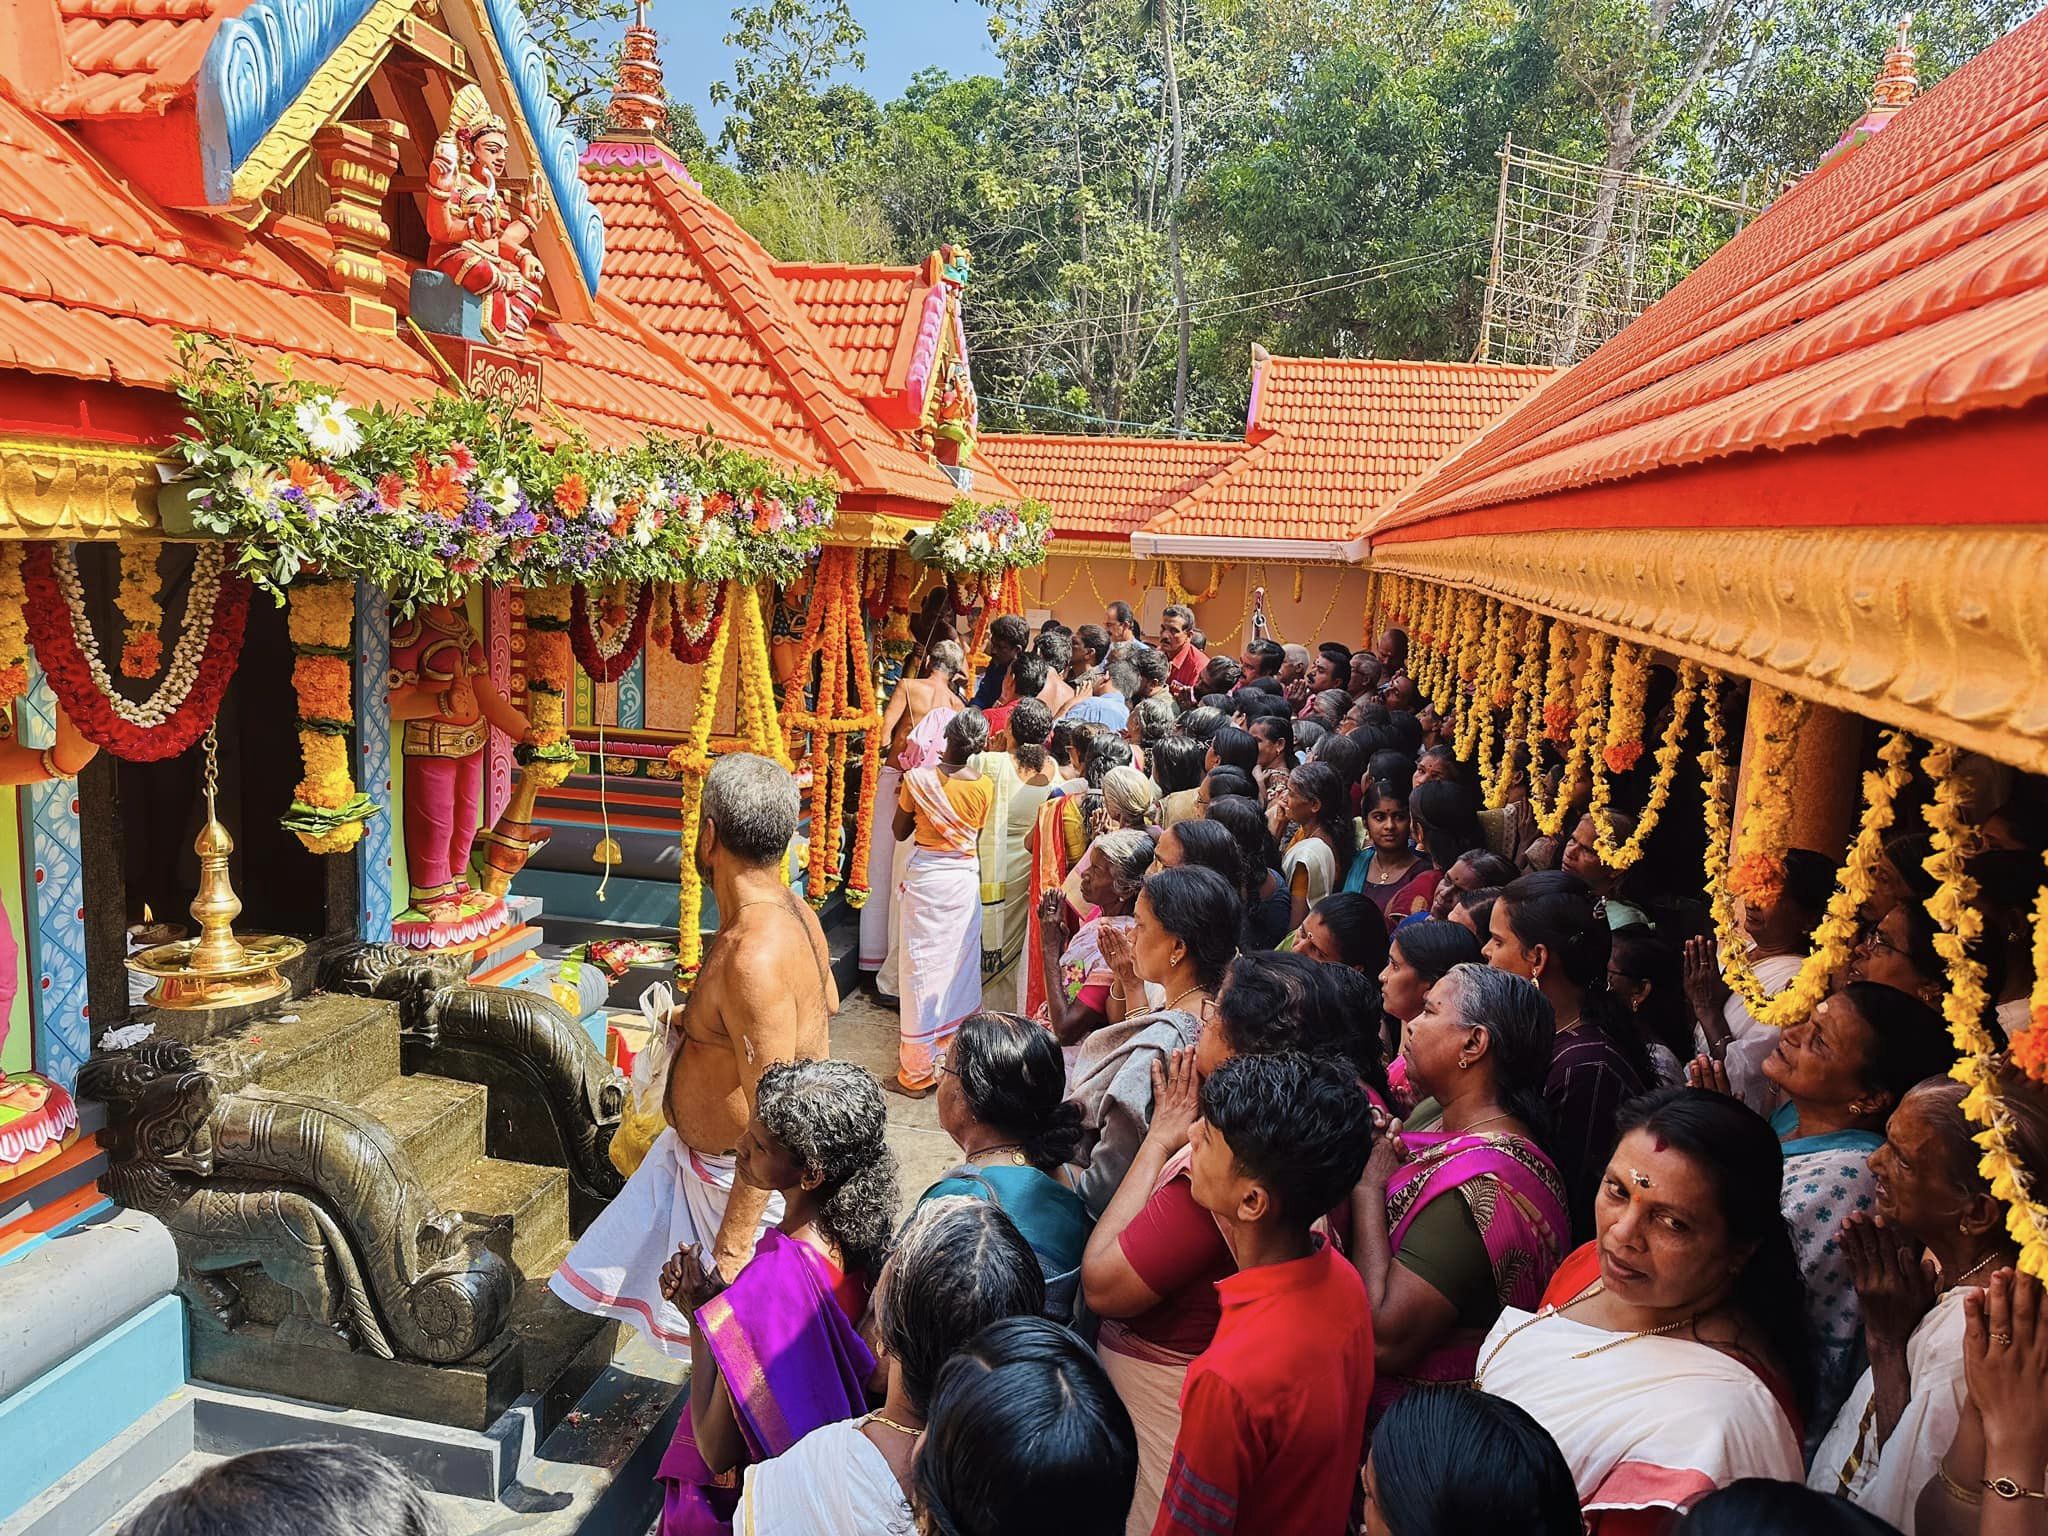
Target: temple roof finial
(1897, 84)
(638, 105)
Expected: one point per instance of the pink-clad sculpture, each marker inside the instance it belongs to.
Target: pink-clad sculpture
(474, 233)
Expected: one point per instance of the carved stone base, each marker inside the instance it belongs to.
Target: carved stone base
(468, 1394)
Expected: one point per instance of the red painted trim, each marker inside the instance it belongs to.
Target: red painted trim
(1982, 470)
(84, 410)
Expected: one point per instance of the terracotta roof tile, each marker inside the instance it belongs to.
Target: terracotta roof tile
(868, 314)
(1334, 439)
(690, 272)
(132, 56)
(1104, 487)
(95, 284)
(1905, 281)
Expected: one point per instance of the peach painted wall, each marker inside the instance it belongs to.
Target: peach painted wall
(1331, 605)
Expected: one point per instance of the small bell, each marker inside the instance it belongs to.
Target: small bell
(607, 852)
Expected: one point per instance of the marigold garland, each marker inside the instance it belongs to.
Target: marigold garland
(13, 624)
(1178, 586)
(142, 646)
(185, 700)
(1492, 652)
(695, 615)
(1556, 715)
(2029, 1050)
(550, 754)
(1842, 921)
(327, 812)
(1620, 856)
(1627, 699)
(1954, 907)
(1757, 872)
(1588, 703)
(835, 641)
(1494, 786)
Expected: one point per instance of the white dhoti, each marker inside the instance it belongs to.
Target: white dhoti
(940, 915)
(877, 928)
(676, 1196)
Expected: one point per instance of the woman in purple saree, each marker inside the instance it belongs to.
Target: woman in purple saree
(776, 1354)
(1438, 1270)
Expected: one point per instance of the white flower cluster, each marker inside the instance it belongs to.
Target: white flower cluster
(330, 429)
(183, 671)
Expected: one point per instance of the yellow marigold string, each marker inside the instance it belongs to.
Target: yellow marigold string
(1836, 932)
(1628, 700)
(2029, 1050)
(1321, 625)
(1620, 856)
(1954, 907)
(1494, 788)
(1073, 577)
(1588, 702)
(1556, 715)
(142, 646)
(1757, 872)
(692, 762)
(13, 624)
(328, 812)
(1176, 583)
(1491, 689)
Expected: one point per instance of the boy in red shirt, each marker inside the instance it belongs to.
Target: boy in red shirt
(1272, 1428)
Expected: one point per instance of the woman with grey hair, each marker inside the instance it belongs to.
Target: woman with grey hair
(312, 1490)
(1129, 799)
(941, 810)
(1476, 1057)
(778, 1352)
(959, 1265)
(1150, 722)
(1077, 977)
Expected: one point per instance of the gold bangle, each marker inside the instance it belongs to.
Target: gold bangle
(57, 774)
(1956, 1490)
(2006, 1488)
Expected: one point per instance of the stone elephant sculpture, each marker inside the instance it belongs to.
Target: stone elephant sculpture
(317, 1193)
(554, 1098)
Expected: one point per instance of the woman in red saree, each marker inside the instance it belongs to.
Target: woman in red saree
(1460, 1212)
(777, 1353)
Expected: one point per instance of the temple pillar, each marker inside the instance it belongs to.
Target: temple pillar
(497, 634)
(358, 160)
(377, 873)
(1826, 773)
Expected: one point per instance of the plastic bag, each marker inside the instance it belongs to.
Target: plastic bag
(645, 1117)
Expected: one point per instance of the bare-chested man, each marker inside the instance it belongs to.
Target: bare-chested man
(914, 725)
(765, 994)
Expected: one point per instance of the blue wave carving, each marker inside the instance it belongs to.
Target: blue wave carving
(259, 62)
(561, 151)
(254, 68)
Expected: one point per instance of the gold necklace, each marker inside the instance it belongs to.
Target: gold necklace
(901, 1429)
(1172, 1001)
(1989, 1258)
(1011, 1147)
(1479, 1376)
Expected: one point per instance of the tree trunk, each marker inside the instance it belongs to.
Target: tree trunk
(1621, 153)
(1175, 178)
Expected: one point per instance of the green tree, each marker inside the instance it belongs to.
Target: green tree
(575, 35)
(782, 115)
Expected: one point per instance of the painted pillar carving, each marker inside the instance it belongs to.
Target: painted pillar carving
(378, 879)
(358, 160)
(55, 880)
(498, 660)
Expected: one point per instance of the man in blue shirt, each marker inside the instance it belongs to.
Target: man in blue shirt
(1007, 637)
(1110, 704)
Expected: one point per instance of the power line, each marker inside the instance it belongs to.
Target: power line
(1317, 287)
(1164, 429)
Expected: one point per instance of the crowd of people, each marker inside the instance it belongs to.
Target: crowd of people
(1333, 1154)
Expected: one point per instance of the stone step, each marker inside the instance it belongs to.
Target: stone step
(334, 1046)
(535, 1197)
(439, 1121)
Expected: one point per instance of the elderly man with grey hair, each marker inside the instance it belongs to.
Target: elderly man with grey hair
(1110, 704)
(764, 994)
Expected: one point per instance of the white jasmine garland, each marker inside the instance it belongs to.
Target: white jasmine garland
(183, 671)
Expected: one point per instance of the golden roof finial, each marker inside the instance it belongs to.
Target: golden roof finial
(639, 105)
(1897, 85)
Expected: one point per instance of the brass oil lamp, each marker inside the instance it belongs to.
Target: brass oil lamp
(218, 969)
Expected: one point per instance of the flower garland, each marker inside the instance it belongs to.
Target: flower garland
(2029, 1051)
(1627, 701)
(1839, 925)
(607, 659)
(13, 624)
(188, 697)
(1757, 872)
(426, 501)
(142, 649)
(1587, 705)
(1620, 856)
(548, 753)
(327, 812)
(1178, 586)
(835, 639)
(1557, 714)
(688, 619)
(1954, 908)
(972, 539)
(1473, 741)
(1494, 787)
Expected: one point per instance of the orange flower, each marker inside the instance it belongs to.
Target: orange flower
(322, 684)
(2029, 1048)
(391, 491)
(1758, 878)
(302, 474)
(143, 655)
(440, 490)
(572, 495)
(1623, 755)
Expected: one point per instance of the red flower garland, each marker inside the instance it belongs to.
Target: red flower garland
(49, 625)
(583, 636)
(691, 653)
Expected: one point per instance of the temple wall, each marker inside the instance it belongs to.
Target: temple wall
(1331, 605)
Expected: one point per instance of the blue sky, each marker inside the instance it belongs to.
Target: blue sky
(904, 36)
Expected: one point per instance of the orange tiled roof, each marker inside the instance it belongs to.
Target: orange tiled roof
(1105, 487)
(1333, 439)
(132, 56)
(96, 282)
(1905, 282)
(869, 315)
(694, 275)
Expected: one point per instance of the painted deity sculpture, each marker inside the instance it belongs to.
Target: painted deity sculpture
(474, 233)
(442, 692)
(37, 1117)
